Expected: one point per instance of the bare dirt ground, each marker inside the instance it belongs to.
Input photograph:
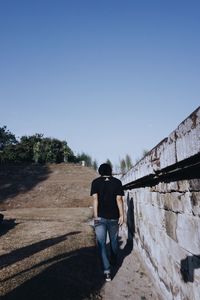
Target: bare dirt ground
(45, 186)
(47, 248)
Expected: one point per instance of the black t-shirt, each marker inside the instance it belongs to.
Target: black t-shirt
(107, 188)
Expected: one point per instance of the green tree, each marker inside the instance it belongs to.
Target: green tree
(85, 157)
(68, 154)
(123, 166)
(50, 150)
(7, 145)
(6, 138)
(53, 150)
(95, 166)
(26, 147)
(37, 151)
(35, 148)
(128, 162)
(9, 154)
(109, 162)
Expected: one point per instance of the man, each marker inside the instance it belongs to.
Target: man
(107, 194)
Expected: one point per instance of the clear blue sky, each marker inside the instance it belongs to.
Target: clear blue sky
(109, 77)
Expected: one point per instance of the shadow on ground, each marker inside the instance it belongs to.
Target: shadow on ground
(18, 179)
(5, 226)
(72, 276)
(123, 252)
(24, 252)
(75, 275)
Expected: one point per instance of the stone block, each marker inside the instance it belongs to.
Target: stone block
(188, 145)
(183, 186)
(171, 224)
(194, 185)
(168, 152)
(156, 200)
(188, 233)
(195, 202)
(163, 187)
(188, 137)
(177, 202)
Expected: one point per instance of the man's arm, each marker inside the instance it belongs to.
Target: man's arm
(95, 205)
(121, 209)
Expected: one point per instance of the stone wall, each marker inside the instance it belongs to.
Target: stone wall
(163, 211)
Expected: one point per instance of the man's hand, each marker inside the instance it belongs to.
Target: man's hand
(121, 210)
(95, 205)
(96, 221)
(121, 220)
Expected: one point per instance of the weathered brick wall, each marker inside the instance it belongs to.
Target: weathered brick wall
(163, 203)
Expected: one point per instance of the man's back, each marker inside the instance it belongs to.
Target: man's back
(107, 188)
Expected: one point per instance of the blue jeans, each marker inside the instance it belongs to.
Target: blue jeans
(102, 227)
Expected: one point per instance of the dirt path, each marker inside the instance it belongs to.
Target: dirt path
(131, 280)
(48, 254)
(47, 247)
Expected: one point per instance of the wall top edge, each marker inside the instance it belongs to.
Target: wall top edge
(181, 144)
